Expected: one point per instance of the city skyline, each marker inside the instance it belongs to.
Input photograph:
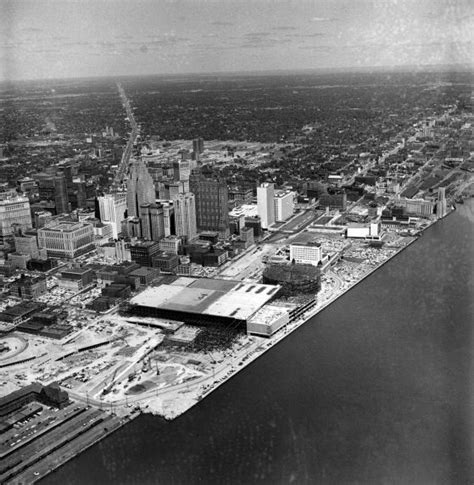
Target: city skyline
(52, 39)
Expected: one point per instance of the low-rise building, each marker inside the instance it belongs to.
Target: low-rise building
(27, 287)
(76, 279)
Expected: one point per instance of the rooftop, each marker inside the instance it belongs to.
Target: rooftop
(208, 296)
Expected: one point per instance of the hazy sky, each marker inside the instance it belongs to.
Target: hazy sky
(65, 38)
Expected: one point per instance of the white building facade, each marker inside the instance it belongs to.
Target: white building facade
(310, 253)
(14, 209)
(112, 209)
(284, 205)
(266, 204)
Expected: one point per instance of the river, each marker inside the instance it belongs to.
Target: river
(377, 388)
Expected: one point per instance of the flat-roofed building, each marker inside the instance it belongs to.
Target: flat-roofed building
(284, 205)
(166, 262)
(28, 287)
(309, 253)
(170, 244)
(66, 239)
(268, 320)
(266, 204)
(76, 278)
(143, 252)
(204, 301)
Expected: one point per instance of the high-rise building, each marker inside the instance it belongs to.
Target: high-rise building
(266, 204)
(182, 169)
(66, 239)
(185, 216)
(54, 188)
(441, 205)
(284, 205)
(112, 209)
(140, 188)
(198, 148)
(152, 221)
(169, 219)
(14, 210)
(212, 203)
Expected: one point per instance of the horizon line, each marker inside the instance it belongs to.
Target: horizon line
(457, 67)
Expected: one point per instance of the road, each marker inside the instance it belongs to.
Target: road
(127, 153)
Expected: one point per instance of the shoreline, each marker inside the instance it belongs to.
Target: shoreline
(231, 369)
(254, 354)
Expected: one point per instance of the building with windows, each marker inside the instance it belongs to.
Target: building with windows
(152, 221)
(140, 188)
(28, 287)
(166, 262)
(170, 244)
(309, 253)
(66, 239)
(212, 203)
(284, 205)
(185, 216)
(364, 230)
(14, 210)
(112, 208)
(143, 252)
(416, 207)
(266, 204)
(182, 169)
(52, 187)
(441, 205)
(76, 278)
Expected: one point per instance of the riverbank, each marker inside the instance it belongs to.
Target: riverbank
(174, 401)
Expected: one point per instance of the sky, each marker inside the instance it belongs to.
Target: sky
(81, 38)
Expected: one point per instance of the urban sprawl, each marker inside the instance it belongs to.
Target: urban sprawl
(139, 271)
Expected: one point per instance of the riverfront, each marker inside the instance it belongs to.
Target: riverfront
(375, 388)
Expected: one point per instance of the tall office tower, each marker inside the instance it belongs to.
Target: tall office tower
(169, 221)
(212, 203)
(182, 169)
(112, 209)
(441, 206)
(198, 148)
(140, 188)
(54, 188)
(185, 216)
(152, 221)
(284, 205)
(266, 205)
(14, 210)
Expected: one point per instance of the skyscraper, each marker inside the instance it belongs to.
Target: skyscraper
(140, 188)
(182, 169)
(441, 206)
(54, 188)
(14, 209)
(198, 148)
(152, 221)
(112, 209)
(266, 204)
(185, 216)
(212, 203)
